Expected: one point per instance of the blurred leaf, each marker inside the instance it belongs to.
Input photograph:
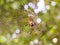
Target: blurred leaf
(1, 2)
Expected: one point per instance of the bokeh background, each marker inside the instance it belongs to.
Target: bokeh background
(14, 27)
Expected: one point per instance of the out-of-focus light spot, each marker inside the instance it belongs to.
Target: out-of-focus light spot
(39, 9)
(41, 6)
(15, 5)
(53, 3)
(47, 7)
(31, 43)
(38, 20)
(50, 44)
(58, 17)
(55, 40)
(36, 41)
(36, 11)
(44, 10)
(41, 3)
(14, 35)
(32, 5)
(25, 7)
(17, 31)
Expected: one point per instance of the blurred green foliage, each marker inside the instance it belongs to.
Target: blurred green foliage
(11, 19)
